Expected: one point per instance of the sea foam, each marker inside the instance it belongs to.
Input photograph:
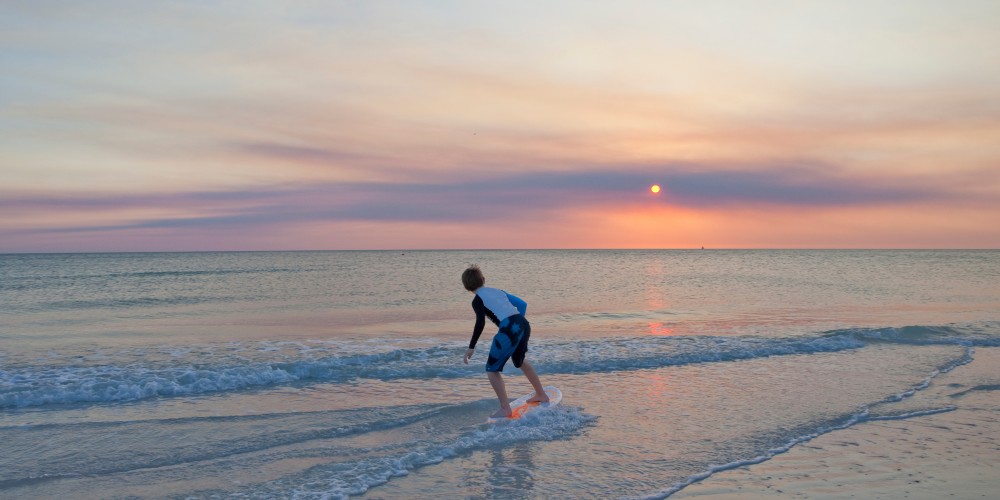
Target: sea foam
(202, 371)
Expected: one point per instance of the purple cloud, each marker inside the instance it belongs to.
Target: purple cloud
(487, 199)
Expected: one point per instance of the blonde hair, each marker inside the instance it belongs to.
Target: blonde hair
(473, 278)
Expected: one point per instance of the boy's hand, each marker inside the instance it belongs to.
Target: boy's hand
(468, 355)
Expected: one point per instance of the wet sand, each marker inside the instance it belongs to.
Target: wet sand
(955, 454)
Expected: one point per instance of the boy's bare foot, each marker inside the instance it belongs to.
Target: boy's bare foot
(539, 398)
(502, 413)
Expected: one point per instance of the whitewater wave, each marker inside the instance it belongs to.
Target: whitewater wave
(199, 372)
(356, 477)
(973, 335)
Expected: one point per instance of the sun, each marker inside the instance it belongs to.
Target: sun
(655, 188)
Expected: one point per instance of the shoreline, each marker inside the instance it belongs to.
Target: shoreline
(946, 454)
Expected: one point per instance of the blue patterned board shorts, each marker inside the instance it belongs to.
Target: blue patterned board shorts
(510, 342)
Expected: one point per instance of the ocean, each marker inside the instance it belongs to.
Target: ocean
(340, 374)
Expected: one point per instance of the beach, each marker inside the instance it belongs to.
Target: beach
(952, 454)
(339, 375)
(752, 245)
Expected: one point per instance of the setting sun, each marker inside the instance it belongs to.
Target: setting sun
(655, 189)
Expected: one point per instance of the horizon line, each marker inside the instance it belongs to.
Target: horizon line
(570, 249)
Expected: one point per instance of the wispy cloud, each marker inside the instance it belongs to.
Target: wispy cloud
(177, 118)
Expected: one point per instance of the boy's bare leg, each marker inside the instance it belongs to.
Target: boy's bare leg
(529, 371)
(496, 380)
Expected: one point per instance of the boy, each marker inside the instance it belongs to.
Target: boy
(511, 341)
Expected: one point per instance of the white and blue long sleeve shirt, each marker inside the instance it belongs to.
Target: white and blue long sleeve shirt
(496, 304)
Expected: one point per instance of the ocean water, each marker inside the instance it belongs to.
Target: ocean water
(340, 374)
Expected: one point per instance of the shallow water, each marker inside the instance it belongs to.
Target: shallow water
(334, 374)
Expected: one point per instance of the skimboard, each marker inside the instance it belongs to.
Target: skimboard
(520, 406)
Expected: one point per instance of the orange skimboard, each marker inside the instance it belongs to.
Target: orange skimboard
(520, 406)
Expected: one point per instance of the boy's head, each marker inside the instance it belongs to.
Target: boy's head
(473, 278)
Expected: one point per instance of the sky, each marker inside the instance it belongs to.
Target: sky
(249, 125)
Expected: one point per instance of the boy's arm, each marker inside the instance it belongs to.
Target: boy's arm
(477, 305)
(520, 304)
(480, 309)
